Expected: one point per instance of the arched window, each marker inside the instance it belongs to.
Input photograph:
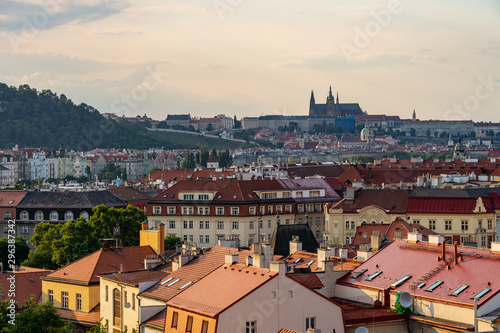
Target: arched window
(85, 215)
(38, 215)
(7, 215)
(145, 208)
(24, 215)
(54, 216)
(68, 216)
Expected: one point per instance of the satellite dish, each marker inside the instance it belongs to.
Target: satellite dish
(405, 299)
(361, 330)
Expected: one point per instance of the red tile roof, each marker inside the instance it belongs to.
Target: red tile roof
(87, 269)
(221, 289)
(82, 317)
(28, 284)
(393, 201)
(478, 269)
(11, 198)
(350, 176)
(158, 320)
(134, 278)
(309, 280)
(193, 271)
(446, 205)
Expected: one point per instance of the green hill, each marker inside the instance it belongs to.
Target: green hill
(32, 118)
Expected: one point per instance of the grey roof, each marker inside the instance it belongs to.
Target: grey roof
(282, 235)
(351, 107)
(178, 117)
(454, 193)
(88, 199)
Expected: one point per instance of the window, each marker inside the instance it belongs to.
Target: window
(7, 215)
(373, 276)
(235, 211)
(204, 327)
(251, 239)
(260, 224)
(347, 224)
(68, 216)
(490, 224)
(207, 239)
(310, 322)
(465, 225)
(220, 224)
(317, 220)
(288, 209)
(175, 317)
(317, 207)
(51, 296)
(481, 293)
(459, 290)
(207, 224)
(400, 281)
(355, 275)
(269, 223)
(220, 237)
(447, 225)
(250, 225)
(202, 224)
(156, 210)
(236, 225)
(85, 215)
(203, 210)
(287, 221)
(434, 286)
(64, 299)
(106, 295)
(300, 208)
(251, 327)
(171, 210)
(272, 195)
(298, 194)
(25, 229)
(190, 238)
(202, 196)
(483, 241)
(38, 215)
(270, 209)
(416, 221)
(189, 324)
(251, 210)
(187, 210)
(78, 302)
(279, 209)
(353, 225)
(432, 225)
(219, 211)
(185, 224)
(185, 237)
(24, 215)
(191, 224)
(188, 196)
(171, 224)
(201, 238)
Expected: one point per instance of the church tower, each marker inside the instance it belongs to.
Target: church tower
(312, 105)
(414, 115)
(330, 104)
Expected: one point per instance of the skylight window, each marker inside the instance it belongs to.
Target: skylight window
(400, 281)
(10, 202)
(459, 290)
(355, 275)
(481, 293)
(172, 283)
(187, 284)
(434, 286)
(374, 275)
(297, 260)
(420, 285)
(310, 262)
(169, 279)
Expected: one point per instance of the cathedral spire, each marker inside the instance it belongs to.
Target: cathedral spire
(330, 95)
(414, 116)
(337, 97)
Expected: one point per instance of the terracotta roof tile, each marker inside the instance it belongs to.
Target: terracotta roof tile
(394, 201)
(82, 317)
(158, 320)
(309, 280)
(11, 198)
(134, 278)
(87, 269)
(220, 289)
(28, 284)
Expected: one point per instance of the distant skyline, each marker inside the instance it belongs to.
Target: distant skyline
(252, 58)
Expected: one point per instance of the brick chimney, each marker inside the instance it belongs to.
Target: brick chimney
(231, 258)
(144, 225)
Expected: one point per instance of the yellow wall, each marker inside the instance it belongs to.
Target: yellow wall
(152, 238)
(90, 294)
(182, 321)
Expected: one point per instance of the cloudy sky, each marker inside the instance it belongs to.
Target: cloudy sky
(255, 57)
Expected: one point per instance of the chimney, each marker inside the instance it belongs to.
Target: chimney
(295, 244)
(414, 236)
(376, 241)
(162, 237)
(268, 255)
(231, 258)
(277, 266)
(349, 193)
(249, 261)
(323, 255)
(343, 253)
(151, 261)
(436, 240)
(495, 247)
(144, 225)
(443, 256)
(258, 260)
(455, 254)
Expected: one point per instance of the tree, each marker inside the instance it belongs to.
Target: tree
(171, 241)
(202, 156)
(60, 244)
(111, 171)
(413, 132)
(34, 318)
(21, 251)
(188, 162)
(225, 159)
(210, 127)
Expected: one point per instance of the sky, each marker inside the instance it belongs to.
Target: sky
(259, 57)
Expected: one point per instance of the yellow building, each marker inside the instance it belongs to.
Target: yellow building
(74, 289)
